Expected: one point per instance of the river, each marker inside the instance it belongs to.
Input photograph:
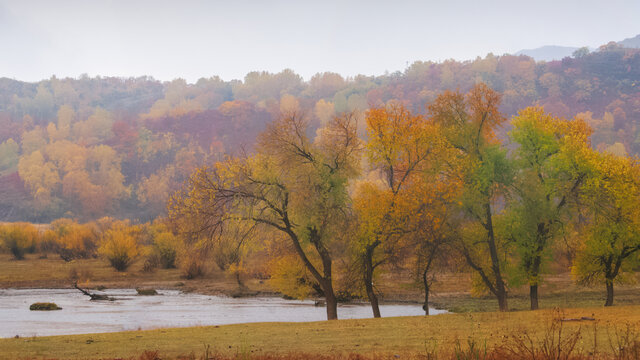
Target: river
(171, 308)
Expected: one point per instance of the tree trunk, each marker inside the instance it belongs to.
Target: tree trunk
(239, 281)
(368, 281)
(502, 300)
(332, 302)
(325, 280)
(501, 290)
(327, 283)
(533, 295)
(534, 279)
(609, 301)
(425, 282)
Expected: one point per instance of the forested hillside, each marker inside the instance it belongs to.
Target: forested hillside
(92, 147)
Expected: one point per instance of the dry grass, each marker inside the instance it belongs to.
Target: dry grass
(52, 272)
(403, 336)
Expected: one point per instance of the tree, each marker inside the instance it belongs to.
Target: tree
(96, 129)
(433, 213)
(41, 177)
(468, 123)
(9, 155)
(292, 185)
(401, 145)
(33, 140)
(551, 167)
(613, 234)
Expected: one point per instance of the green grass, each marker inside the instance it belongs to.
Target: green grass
(406, 336)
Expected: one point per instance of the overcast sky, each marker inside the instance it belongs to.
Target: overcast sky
(193, 39)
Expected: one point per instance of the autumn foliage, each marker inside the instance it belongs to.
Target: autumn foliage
(119, 246)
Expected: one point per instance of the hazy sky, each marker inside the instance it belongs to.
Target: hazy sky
(193, 39)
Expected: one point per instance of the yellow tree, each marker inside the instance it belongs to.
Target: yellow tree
(293, 185)
(613, 233)
(430, 208)
(40, 176)
(401, 146)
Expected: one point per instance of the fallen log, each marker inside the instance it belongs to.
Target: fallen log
(92, 296)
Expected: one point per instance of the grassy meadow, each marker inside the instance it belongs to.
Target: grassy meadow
(407, 337)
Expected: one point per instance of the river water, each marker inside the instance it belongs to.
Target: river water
(170, 308)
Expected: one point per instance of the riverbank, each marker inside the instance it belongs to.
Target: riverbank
(449, 292)
(407, 337)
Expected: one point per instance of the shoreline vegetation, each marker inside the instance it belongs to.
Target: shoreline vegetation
(450, 291)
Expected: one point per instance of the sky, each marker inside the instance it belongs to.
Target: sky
(192, 39)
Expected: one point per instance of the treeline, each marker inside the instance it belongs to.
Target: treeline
(422, 193)
(92, 147)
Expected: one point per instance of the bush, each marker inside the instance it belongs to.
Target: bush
(151, 263)
(71, 240)
(165, 246)
(119, 245)
(19, 239)
(44, 307)
(192, 267)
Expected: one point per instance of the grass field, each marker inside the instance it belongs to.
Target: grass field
(52, 272)
(404, 336)
(413, 337)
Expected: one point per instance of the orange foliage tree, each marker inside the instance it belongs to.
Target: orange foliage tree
(401, 148)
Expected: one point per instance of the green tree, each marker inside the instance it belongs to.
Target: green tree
(613, 234)
(550, 171)
(482, 166)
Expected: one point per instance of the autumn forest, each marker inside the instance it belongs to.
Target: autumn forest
(92, 147)
(498, 166)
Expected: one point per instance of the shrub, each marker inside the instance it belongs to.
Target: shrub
(151, 263)
(19, 239)
(624, 342)
(72, 240)
(192, 267)
(119, 245)
(165, 245)
(44, 307)
(557, 343)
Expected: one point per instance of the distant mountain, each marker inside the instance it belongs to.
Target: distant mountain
(633, 42)
(554, 52)
(548, 53)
